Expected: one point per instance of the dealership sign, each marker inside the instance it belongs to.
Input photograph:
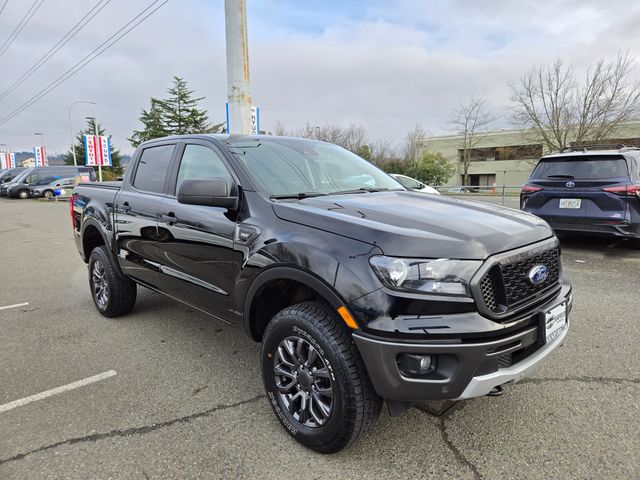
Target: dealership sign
(97, 150)
(40, 156)
(255, 120)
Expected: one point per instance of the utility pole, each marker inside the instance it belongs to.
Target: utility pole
(238, 85)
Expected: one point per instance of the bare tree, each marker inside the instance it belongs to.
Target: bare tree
(413, 142)
(354, 137)
(471, 121)
(558, 109)
(382, 151)
(280, 130)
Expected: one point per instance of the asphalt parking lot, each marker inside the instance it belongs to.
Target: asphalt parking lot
(182, 395)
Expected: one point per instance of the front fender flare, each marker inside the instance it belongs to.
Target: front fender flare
(288, 273)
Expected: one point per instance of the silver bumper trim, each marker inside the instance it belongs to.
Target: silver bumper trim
(483, 384)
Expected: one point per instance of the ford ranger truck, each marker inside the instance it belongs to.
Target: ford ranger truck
(360, 291)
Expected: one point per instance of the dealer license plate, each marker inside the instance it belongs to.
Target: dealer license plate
(570, 202)
(555, 322)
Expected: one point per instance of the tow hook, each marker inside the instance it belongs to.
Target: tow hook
(496, 392)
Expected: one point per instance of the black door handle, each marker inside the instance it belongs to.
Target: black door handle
(169, 218)
(125, 207)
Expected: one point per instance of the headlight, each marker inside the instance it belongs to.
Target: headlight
(438, 276)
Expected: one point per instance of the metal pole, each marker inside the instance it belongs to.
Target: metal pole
(95, 129)
(73, 149)
(504, 181)
(238, 86)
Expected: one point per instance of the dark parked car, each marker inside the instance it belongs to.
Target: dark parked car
(587, 191)
(359, 290)
(7, 176)
(48, 191)
(39, 176)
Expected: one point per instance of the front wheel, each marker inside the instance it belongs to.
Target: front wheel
(23, 194)
(113, 293)
(315, 379)
(48, 194)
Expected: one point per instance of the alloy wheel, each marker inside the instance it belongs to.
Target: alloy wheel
(303, 382)
(100, 287)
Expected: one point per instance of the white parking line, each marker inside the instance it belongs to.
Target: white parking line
(15, 306)
(57, 390)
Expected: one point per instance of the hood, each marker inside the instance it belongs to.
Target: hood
(409, 224)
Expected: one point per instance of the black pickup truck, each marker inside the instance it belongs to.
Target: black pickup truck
(359, 290)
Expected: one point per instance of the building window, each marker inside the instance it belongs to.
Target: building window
(513, 152)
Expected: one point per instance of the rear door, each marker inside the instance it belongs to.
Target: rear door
(136, 210)
(197, 264)
(574, 188)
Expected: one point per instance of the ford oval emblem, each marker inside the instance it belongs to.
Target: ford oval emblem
(571, 184)
(538, 274)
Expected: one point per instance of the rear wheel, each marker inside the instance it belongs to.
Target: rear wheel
(48, 194)
(113, 293)
(315, 379)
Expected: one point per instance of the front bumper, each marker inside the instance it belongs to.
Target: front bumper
(465, 368)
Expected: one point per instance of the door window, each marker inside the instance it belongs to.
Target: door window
(200, 162)
(152, 168)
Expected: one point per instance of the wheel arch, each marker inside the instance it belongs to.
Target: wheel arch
(277, 288)
(92, 236)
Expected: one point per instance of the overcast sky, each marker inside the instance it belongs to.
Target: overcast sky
(383, 64)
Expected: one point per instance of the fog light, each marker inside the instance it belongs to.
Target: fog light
(414, 365)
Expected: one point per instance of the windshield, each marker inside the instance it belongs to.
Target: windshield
(291, 166)
(586, 168)
(22, 175)
(9, 175)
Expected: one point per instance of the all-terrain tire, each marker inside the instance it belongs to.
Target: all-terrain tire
(355, 405)
(113, 293)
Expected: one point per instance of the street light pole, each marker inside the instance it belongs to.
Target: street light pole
(73, 148)
(238, 86)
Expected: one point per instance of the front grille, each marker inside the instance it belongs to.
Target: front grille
(506, 285)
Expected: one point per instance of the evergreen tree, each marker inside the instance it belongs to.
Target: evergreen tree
(153, 123)
(179, 114)
(108, 173)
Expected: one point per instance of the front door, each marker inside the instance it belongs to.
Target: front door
(197, 241)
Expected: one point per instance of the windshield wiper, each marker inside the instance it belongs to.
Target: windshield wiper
(361, 190)
(298, 196)
(561, 176)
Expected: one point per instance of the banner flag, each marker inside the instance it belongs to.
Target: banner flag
(40, 156)
(97, 150)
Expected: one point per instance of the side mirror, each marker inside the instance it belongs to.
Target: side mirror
(212, 192)
(421, 185)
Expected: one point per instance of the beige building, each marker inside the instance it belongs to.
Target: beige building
(506, 157)
(28, 163)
